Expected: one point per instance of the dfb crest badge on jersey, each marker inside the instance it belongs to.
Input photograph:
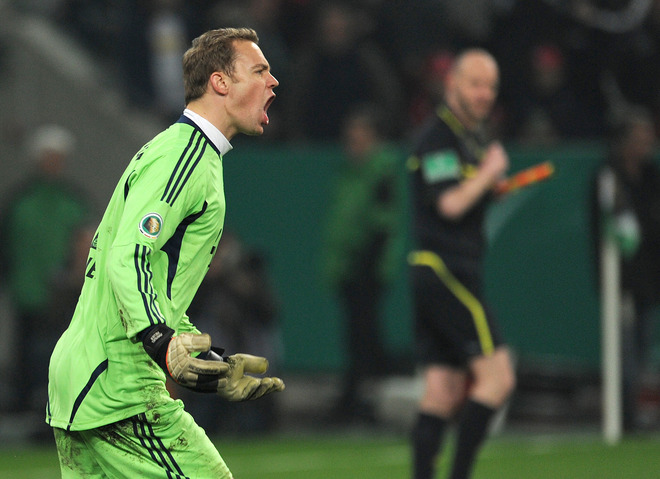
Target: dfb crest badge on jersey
(150, 225)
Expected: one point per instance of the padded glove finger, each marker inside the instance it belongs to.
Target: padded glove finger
(249, 363)
(267, 386)
(239, 387)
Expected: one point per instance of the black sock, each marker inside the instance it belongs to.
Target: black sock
(426, 440)
(472, 429)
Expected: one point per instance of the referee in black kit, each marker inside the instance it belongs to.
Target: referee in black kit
(468, 372)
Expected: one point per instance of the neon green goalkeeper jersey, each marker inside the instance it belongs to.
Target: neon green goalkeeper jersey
(150, 253)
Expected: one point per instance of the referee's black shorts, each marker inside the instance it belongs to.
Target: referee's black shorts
(452, 323)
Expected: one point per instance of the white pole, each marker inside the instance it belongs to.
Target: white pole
(611, 370)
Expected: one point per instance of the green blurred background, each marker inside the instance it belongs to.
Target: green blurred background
(539, 270)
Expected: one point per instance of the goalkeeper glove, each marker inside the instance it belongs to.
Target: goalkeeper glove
(209, 372)
(173, 354)
(239, 387)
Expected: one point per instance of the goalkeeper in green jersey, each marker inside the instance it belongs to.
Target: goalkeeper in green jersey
(107, 402)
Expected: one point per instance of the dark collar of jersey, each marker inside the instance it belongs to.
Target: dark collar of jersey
(188, 121)
(468, 138)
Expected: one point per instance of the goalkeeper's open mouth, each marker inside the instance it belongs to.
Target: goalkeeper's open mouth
(265, 119)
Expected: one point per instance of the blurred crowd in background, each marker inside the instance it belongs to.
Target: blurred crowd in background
(568, 66)
(570, 70)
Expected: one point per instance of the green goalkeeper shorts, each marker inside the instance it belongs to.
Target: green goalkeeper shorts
(165, 442)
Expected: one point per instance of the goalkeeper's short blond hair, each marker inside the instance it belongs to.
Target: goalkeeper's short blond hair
(211, 52)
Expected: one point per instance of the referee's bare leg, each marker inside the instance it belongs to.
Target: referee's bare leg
(472, 398)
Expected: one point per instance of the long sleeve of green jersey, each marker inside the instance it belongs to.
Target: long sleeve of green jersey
(157, 260)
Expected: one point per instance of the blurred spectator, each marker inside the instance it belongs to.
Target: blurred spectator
(552, 110)
(626, 203)
(237, 304)
(353, 51)
(65, 286)
(167, 39)
(110, 30)
(408, 32)
(363, 248)
(639, 63)
(67, 283)
(138, 43)
(516, 39)
(431, 87)
(612, 16)
(471, 23)
(609, 55)
(38, 225)
(338, 69)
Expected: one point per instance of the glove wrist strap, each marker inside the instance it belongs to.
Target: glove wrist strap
(155, 341)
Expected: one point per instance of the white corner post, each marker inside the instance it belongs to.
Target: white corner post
(610, 302)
